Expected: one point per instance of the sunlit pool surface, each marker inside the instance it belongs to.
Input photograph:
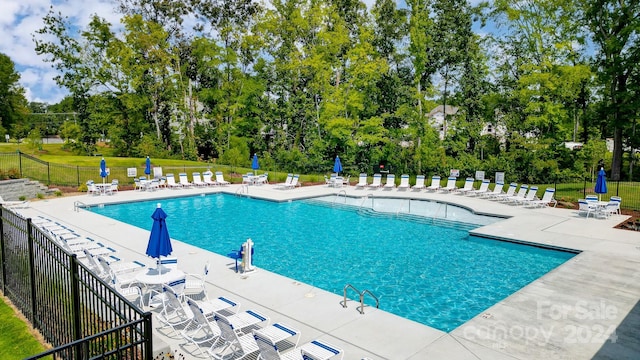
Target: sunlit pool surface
(439, 276)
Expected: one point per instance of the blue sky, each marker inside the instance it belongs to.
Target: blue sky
(20, 19)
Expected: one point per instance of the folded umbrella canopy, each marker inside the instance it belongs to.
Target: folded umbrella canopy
(147, 169)
(337, 165)
(159, 240)
(103, 169)
(254, 164)
(601, 183)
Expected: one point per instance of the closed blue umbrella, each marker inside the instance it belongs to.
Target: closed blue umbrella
(601, 183)
(159, 240)
(103, 169)
(147, 169)
(254, 164)
(337, 165)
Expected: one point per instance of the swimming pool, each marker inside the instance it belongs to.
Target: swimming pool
(439, 276)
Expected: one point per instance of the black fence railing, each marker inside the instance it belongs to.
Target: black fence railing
(26, 166)
(78, 313)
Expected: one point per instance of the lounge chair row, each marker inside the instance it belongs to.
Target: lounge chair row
(87, 249)
(526, 196)
(291, 182)
(217, 328)
(200, 181)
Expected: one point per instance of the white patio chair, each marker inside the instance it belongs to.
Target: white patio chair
(195, 283)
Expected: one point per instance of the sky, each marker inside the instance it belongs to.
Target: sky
(19, 21)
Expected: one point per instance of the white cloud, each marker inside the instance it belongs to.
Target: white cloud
(19, 21)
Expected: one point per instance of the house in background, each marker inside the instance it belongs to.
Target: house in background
(436, 118)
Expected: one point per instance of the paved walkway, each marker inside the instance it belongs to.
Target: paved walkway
(587, 308)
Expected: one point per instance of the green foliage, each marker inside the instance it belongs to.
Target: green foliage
(35, 139)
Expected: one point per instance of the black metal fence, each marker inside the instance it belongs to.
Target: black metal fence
(76, 311)
(26, 166)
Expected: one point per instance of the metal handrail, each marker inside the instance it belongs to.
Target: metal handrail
(241, 189)
(338, 196)
(362, 294)
(78, 204)
(364, 198)
(346, 287)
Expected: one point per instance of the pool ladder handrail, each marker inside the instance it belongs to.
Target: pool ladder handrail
(361, 294)
(78, 204)
(242, 188)
(338, 196)
(364, 198)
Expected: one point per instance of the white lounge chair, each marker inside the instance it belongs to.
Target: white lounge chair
(522, 192)
(468, 186)
(419, 183)
(268, 345)
(197, 179)
(510, 191)
(237, 344)
(362, 181)
(532, 195)
(482, 190)
(294, 182)
(184, 180)
(435, 183)
(320, 350)
(404, 182)
(221, 303)
(206, 178)
(451, 184)
(286, 182)
(174, 313)
(171, 182)
(377, 181)
(547, 199)
(497, 190)
(391, 182)
(199, 331)
(220, 178)
(119, 266)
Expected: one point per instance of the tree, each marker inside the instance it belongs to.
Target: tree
(13, 104)
(615, 28)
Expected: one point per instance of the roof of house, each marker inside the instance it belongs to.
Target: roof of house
(450, 110)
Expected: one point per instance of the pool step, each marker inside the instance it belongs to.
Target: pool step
(365, 211)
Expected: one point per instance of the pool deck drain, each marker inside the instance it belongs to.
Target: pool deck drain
(589, 307)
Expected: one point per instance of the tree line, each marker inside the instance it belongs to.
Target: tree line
(300, 81)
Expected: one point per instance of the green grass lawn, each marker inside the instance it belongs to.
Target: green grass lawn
(16, 339)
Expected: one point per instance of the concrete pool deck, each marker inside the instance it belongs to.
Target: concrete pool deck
(587, 308)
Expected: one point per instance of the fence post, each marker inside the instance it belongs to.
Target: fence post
(20, 162)
(584, 189)
(32, 271)
(78, 174)
(148, 335)
(48, 173)
(75, 297)
(2, 247)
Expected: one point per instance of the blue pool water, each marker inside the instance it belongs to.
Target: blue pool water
(438, 276)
